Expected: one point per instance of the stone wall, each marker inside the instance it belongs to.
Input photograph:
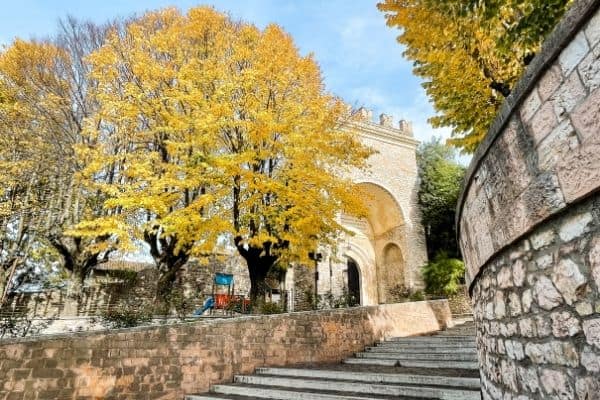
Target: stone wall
(169, 361)
(529, 224)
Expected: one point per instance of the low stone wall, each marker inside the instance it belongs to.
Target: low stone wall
(529, 224)
(169, 361)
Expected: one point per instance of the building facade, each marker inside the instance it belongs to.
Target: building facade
(382, 259)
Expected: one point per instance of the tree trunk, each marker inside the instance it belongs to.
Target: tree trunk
(258, 269)
(165, 283)
(3, 284)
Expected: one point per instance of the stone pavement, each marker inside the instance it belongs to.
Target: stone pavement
(442, 366)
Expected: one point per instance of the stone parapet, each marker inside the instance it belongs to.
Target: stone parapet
(542, 154)
(167, 362)
(529, 224)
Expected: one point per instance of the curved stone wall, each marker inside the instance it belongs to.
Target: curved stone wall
(529, 224)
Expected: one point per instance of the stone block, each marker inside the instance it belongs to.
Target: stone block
(565, 324)
(555, 147)
(542, 239)
(542, 123)
(514, 304)
(589, 70)
(568, 279)
(592, 30)
(587, 388)
(505, 278)
(526, 300)
(546, 295)
(519, 271)
(572, 55)
(556, 383)
(578, 172)
(594, 260)
(528, 378)
(590, 359)
(591, 328)
(586, 118)
(570, 93)
(530, 105)
(584, 308)
(549, 82)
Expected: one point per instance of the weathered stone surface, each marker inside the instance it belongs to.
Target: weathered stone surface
(574, 226)
(587, 388)
(542, 239)
(590, 359)
(546, 294)
(543, 122)
(528, 378)
(499, 306)
(589, 69)
(514, 304)
(519, 272)
(573, 54)
(542, 326)
(549, 82)
(578, 173)
(592, 30)
(591, 328)
(527, 300)
(570, 93)
(564, 324)
(584, 308)
(556, 383)
(505, 278)
(562, 140)
(527, 327)
(568, 279)
(530, 105)
(594, 260)
(552, 293)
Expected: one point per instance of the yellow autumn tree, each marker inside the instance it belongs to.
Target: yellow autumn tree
(212, 131)
(45, 98)
(470, 54)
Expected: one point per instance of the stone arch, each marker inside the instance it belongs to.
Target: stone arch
(364, 259)
(384, 210)
(382, 233)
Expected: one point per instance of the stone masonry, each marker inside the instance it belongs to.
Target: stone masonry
(529, 224)
(166, 362)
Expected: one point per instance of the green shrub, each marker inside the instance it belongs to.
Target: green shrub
(442, 276)
(416, 296)
(270, 308)
(125, 316)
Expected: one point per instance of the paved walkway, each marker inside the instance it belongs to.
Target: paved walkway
(442, 366)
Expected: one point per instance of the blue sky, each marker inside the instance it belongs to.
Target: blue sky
(359, 56)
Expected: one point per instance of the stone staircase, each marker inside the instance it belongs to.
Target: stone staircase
(442, 366)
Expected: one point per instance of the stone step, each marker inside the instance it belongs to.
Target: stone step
(413, 379)
(424, 349)
(434, 340)
(448, 338)
(268, 392)
(419, 356)
(394, 362)
(359, 387)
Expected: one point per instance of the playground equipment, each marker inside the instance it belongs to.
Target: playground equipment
(229, 301)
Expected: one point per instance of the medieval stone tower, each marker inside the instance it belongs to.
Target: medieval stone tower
(388, 247)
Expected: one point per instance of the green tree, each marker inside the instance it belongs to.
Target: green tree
(440, 181)
(470, 54)
(442, 275)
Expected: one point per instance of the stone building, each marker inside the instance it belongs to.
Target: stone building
(384, 256)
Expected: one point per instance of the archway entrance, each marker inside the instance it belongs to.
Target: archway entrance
(353, 283)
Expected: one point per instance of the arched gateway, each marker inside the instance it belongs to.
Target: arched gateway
(387, 249)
